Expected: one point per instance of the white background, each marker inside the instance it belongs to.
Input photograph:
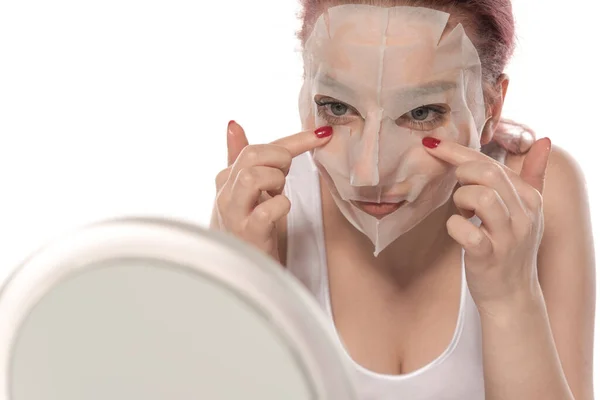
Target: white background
(120, 107)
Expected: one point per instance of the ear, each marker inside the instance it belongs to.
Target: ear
(495, 109)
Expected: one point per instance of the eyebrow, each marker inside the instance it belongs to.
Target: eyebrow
(329, 81)
(428, 88)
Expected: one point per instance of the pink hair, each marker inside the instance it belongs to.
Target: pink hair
(492, 22)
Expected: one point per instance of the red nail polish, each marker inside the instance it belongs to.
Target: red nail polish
(324, 131)
(430, 142)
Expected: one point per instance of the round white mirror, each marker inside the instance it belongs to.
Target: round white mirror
(159, 310)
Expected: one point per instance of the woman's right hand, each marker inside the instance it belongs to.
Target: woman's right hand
(249, 200)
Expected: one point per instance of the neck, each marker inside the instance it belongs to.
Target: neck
(419, 249)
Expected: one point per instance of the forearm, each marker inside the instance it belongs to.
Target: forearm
(519, 355)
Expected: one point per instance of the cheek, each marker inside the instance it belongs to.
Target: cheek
(430, 182)
(430, 167)
(356, 126)
(339, 145)
(343, 135)
(419, 166)
(462, 130)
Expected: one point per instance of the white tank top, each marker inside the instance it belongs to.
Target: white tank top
(456, 374)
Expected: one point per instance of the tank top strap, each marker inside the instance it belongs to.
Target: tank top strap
(305, 237)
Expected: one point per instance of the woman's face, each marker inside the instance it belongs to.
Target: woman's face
(385, 78)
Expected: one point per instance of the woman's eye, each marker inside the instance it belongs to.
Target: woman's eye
(424, 118)
(338, 109)
(335, 112)
(420, 114)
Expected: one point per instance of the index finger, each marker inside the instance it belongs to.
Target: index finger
(304, 141)
(451, 152)
(457, 154)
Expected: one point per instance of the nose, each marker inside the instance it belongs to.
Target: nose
(364, 157)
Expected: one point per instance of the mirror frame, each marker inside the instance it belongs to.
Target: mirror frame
(258, 279)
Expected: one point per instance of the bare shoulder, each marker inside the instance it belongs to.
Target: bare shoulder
(566, 267)
(565, 192)
(567, 240)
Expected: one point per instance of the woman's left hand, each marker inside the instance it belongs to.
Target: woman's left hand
(501, 254)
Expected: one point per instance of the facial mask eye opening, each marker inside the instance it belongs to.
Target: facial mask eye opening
(335, 112)
(425, 118)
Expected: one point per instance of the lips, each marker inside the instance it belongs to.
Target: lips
(378, 210)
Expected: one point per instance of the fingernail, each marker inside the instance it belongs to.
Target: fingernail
(430, 142)
(324, 131)
(229, 126)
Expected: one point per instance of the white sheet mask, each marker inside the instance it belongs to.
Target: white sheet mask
(386, 64)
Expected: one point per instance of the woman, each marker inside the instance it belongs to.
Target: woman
(486, 295)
